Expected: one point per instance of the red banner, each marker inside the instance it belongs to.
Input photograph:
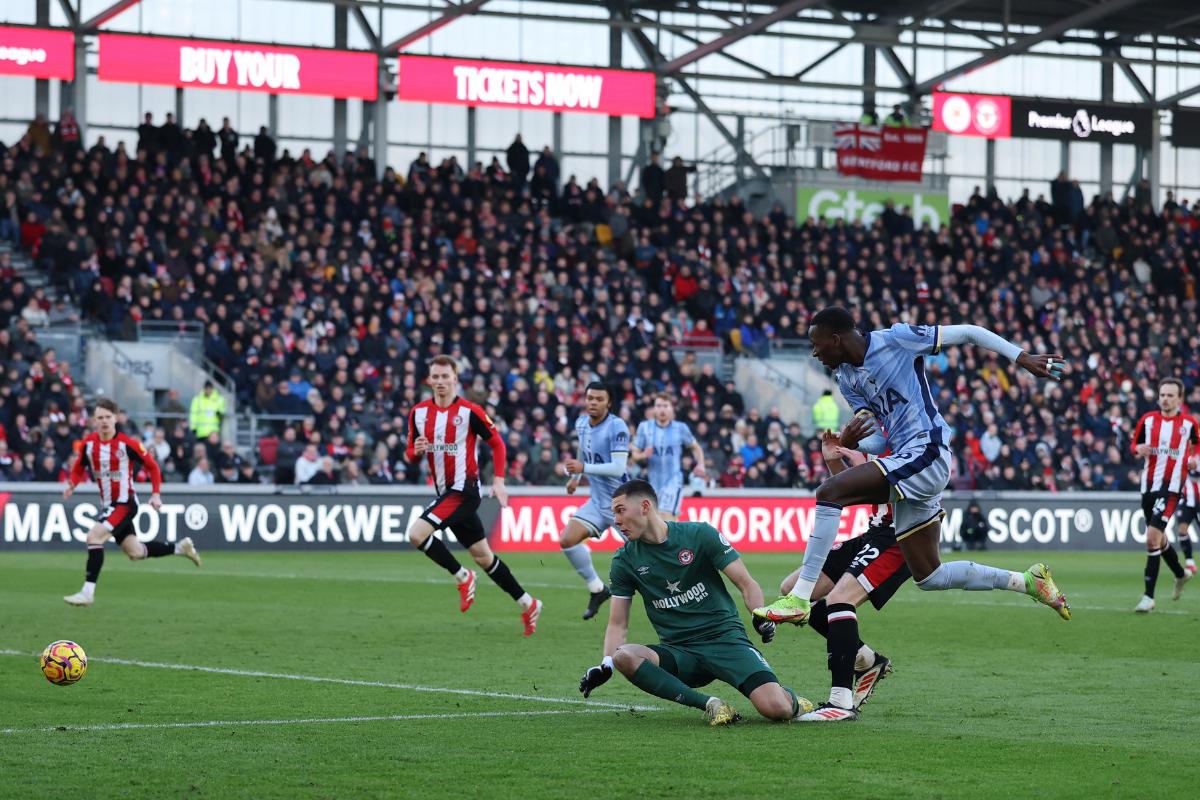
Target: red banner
(751, 524)
(541, 87)
(986, 115)
(37, 53)
(881, 154)
(238, 66)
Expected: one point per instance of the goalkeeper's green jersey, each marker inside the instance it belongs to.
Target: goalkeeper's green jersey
(681, 584)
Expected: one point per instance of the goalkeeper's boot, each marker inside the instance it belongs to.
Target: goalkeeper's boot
(595, 601)
(866, 680)
(187, 549)
(718, 712)
(530, 616)
(787, 608)
(827, 712)
(1145, 605)
(1041, 587)
(1179, 582)
(466, 591)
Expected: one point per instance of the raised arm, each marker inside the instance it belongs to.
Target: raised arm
(1043, 366)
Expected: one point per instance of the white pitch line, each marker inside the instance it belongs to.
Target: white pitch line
(412, 687)
(225, 723)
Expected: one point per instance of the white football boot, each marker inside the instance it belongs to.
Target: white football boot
(1145, 605)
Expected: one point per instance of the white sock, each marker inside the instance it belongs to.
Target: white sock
(1016, 582)
(842, 698)
(803, 589)
(178, 551)
(1190, 563)
(463, 575)
(864, 659)
(525, 601)
(89, 589)
(595, 585)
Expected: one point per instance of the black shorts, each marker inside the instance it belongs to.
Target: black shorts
(1158, 508)
(874, 560)
(458, 511)
(119, 518)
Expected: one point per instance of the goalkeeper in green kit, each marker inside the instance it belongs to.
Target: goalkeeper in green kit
(676, 567)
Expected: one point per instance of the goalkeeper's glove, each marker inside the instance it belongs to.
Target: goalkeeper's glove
(596, 677)
(765, 628)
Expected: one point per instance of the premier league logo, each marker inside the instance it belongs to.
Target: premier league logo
(686, 556)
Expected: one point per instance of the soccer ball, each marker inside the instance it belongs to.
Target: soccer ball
(63, 663)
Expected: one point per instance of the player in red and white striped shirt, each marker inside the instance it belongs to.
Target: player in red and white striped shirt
(446, 431)
(1165, 438)
(112, 460)
(1188, 511)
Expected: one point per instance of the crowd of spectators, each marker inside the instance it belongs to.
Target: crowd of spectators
(324, 290)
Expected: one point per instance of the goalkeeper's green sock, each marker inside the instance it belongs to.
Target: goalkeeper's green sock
(657, 681)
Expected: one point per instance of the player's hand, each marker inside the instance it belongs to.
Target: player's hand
(649, 451)
(765, 628)
(856, 430)
(572, 485)
(500, 491)
(68, 491)
(830, 444)
(156, 501)
(700, 471)
(573, 466)
(1143, 450)
(1050, 366)
(420, 445)
(594, 678)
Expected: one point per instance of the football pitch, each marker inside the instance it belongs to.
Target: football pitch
(338, 675)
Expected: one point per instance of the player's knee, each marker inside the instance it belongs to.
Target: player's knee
(934, 580)
(627, 660)
(843, 593)
(829, 491)
(98, 535)
(775, 705)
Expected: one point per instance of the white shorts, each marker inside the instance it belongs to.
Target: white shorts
(596, 519)
(670, 498)
(918, 476)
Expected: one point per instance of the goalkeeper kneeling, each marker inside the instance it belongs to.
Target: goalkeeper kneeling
(676, 567)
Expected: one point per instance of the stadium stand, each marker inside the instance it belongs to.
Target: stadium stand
(323, 291)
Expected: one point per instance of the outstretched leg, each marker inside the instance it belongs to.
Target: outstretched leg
(573, 543)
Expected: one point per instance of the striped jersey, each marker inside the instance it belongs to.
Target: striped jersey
(454, 433)
(664, 468)
(112, 464)
(1171, 439)
(892, 386)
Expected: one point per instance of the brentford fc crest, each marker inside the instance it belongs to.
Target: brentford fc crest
(686, 556)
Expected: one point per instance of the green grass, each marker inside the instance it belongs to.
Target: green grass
(992, 696)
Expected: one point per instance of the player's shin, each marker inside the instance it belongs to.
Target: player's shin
(826, 520)
(159, 549)
(1172, 560)
(657, 681)
(503, 577)
(439, 554)
(95, 562)
(972, 577)
(580, 556)
(843, 644)
(1150, 577)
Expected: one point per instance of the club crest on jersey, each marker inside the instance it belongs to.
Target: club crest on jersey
(686, 556)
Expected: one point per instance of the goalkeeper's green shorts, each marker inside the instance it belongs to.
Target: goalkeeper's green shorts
(734, 661)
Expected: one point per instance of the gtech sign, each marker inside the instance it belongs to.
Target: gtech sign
(861, 205)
